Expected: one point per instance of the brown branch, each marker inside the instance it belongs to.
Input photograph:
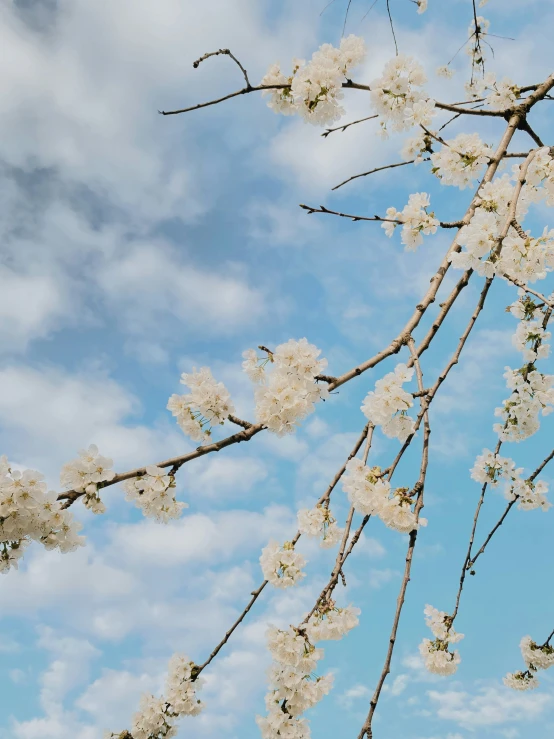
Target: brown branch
(399, 341)
(527, 289)
(243, 91)
(524, 126)
(372, 171)
(430, 394)
(322, 209)
(366, 730)
(341, 556)
(507, 510)
(347, 125)
(197, 63)
(239, 422)
(467, 561)
(256, 593)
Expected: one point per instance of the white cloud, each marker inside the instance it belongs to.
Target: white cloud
(399, 684)
(151, 281)
(491, 706)
(48, 414)
(30, 305)
(112, 698)
(199, 538)
(226, 478)
(352, 694)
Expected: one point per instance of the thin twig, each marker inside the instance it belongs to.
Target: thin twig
(256, 593)
(347, 125)
(392, 27)
(227, 52)
(372, 171)
(366, 730)
(322, 209)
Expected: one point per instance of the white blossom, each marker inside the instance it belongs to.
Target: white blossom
(491, 468)
(535, 656)
(415, 220)
(460, 160)
(396, 95)
(314, 90)
(253, 366)
(532, 395)
(318, 522)
(281, 565)
(156, 717)
(387, 405)
(397, 514)
(281, 100)
(365, 487)
(290, 390)
(331, 623)
(416, 147)
(437, 658)
(521, 680)
(292, 648)
(29, 513)
(530, 495)
(421, 6)
(208, 404)
(440, 624)
(445, 71)
(86, 472)
(531, 332)
(154, 494)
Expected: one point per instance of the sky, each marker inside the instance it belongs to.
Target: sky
(136, 247)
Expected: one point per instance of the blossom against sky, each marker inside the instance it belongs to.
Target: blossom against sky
(138, 247)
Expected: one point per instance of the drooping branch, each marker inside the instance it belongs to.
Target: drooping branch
(258, 591)
(418, 489)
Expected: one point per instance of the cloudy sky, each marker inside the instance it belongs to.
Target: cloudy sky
(135, 247)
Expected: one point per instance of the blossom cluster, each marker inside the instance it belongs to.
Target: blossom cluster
(207, 404)
(29, 513)
(398, 98)
(436, 654)
(318, 522)
(314, 90)
(370, 495)
(498, 94)
(85, 474)
(540, 175)
(387, 405)
(294, 686)
(281, 565)
(459, 161)
(536, 658)
(491, 468)
(415, 220)
(287, 394)
(156, 717)
(532, 391)
(518, 256)
(329, 622)
(154, 494)
(416, 147)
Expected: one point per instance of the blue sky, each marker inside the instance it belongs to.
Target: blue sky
(135, 247)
